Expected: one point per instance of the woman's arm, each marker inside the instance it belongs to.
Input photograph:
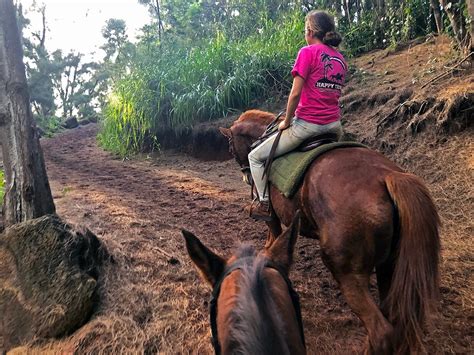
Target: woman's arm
(293, 101)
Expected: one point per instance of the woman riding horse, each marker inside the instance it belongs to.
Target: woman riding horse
(368, 214)
(318, 73)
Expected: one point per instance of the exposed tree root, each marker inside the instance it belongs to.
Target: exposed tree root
(452, 114)
(449, 70)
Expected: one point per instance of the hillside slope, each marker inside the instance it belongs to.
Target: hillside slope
(152, 299)
(428, 131)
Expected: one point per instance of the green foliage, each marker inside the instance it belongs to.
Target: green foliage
(401, 21)
(2, 186)
(201, 59)
(50, 125)
(173, 86)
(361, 37)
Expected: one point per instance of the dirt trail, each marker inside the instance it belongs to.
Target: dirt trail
(153, 296)
(153, 299)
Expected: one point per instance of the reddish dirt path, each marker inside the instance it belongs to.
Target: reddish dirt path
(153, 299)
(138, 208)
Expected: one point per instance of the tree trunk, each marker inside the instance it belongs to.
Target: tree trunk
(338, 6)
(437, 15)
(456, 19)
(358, 10)
(380, 7)
(160, 22)
(347, 10)
(470, 12)
(28, 194)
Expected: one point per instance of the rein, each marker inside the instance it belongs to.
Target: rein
(238, 265)
(271, 128)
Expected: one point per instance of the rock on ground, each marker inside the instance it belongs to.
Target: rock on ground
(48, 279)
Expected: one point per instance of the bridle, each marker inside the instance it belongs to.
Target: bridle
(271, 128)
(238, 265)
(244, 167)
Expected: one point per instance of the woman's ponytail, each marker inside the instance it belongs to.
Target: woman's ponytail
(323, 27)
(332, 38)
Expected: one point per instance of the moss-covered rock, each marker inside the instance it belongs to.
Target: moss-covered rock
(48, 279)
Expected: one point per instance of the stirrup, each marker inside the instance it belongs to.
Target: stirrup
(266, 216)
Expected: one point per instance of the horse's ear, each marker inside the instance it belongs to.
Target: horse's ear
(210, 265)
(281, 250)
(226, 132)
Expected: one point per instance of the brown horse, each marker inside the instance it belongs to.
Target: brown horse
(368, 214)
(254, 309)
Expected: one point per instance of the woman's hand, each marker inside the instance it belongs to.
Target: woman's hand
(283, 125)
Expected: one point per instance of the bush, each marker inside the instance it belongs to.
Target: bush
(175, 86)
(2, 186)
(50, 125)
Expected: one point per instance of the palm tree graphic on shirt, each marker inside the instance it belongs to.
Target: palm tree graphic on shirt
(335, 80)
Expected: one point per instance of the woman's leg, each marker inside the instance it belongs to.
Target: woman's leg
(257, 159)
(313, 130)
(290, 139)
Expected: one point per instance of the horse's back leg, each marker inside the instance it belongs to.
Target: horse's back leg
(355, 288)
(384, 281)
(352, 272)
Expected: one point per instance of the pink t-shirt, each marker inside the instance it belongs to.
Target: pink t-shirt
(323, 69)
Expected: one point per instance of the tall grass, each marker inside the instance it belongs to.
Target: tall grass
(175, 87)
(2, 186)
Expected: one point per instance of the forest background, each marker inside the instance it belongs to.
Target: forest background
(196, 62)
(201, 60)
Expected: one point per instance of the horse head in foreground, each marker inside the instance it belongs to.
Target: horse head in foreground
(254, 309)
(368, 214)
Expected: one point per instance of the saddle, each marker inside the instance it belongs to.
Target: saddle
(307, 145)
(314, 142)
(287, 172)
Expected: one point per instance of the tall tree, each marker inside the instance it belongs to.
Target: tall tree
(115, 34)
(154, 8)
(470, 12)
(28, 194)
(453, 9)
(434, 4)
(65, 79)
(39, 69)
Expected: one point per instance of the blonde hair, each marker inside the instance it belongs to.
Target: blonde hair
(323, 27)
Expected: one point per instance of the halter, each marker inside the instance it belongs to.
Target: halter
(239, 264)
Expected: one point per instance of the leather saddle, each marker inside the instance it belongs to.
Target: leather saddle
(317, 141)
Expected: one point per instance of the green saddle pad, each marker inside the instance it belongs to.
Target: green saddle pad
(288, 170)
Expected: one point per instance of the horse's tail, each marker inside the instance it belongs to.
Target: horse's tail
(415, 282)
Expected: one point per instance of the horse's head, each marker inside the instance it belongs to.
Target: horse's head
(243, 132)
(254, 308)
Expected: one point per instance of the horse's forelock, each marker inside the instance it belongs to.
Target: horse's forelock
(245, 250)
(257, 324)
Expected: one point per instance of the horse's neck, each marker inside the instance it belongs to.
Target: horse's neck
(225, 305)
(257, 317)
(286, 310)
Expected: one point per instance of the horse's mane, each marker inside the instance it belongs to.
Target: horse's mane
(258, 327)
(256, 116)
(252, 123)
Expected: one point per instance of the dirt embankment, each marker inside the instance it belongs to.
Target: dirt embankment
(153, 299)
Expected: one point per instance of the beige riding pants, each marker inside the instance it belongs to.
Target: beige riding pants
(290, 139)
